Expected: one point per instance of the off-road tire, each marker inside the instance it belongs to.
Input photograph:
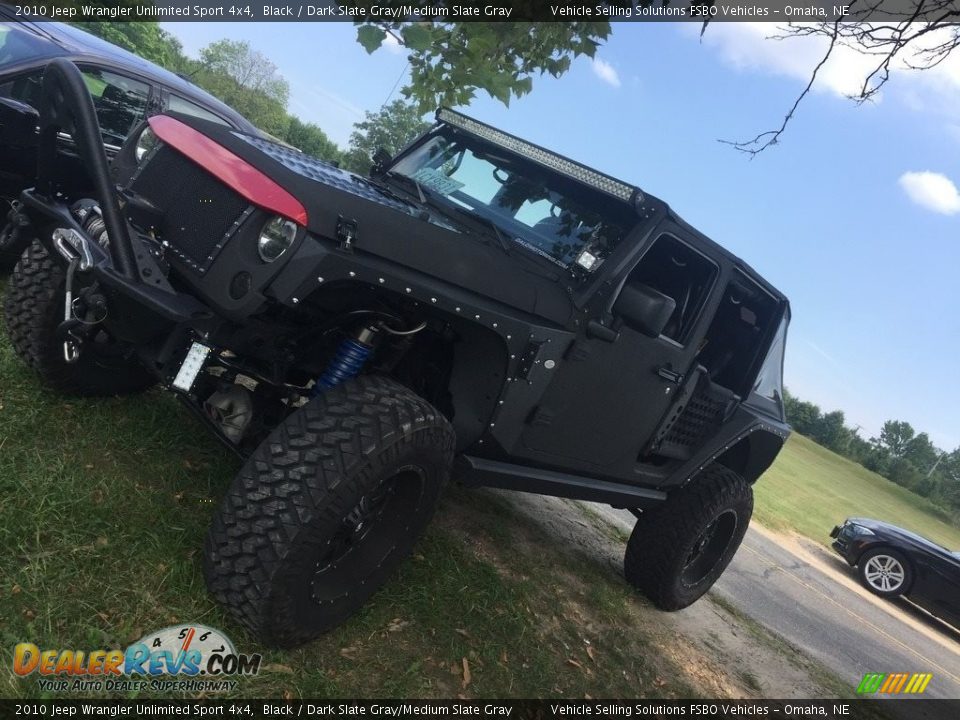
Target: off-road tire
(12, 245)
(905, 568)
(290, 504)
(665, 538)
(34, 308)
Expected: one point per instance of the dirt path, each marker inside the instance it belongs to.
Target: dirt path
(724, 653)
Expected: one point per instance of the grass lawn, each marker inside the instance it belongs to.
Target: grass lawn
(810, 489)
(103, 509)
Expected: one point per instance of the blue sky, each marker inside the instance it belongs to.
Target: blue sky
(855, 215)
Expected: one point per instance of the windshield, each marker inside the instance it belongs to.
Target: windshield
(539, 210)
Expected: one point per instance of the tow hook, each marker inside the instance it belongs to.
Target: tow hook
(68, 331)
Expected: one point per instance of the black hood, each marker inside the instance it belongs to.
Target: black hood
(397, 229)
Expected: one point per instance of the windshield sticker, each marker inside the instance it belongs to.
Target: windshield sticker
(436, 181)
(533, 248)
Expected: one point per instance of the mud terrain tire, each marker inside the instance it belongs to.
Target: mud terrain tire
(679, 549)
(326, 509)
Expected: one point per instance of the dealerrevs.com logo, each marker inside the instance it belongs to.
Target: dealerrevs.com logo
(180, 657)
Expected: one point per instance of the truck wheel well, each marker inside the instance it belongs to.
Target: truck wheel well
(752, 455)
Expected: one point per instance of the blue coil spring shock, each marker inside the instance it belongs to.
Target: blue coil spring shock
(349, 360)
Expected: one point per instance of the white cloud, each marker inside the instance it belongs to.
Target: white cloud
(932, 191)
(605, 72)
(749, 46)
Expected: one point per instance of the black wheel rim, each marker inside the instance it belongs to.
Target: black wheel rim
(367, 535)
(709, 548)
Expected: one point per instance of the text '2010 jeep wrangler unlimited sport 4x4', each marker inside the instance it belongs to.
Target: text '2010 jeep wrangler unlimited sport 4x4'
(478, 305)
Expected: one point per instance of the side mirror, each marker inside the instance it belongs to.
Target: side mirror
(18, 123)
(644, 309)
(381, 158)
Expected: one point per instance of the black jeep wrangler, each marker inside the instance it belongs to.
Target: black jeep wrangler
(479, 307)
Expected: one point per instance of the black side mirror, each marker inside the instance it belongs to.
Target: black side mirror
(381, 158)
(18, 123)
(644, 309)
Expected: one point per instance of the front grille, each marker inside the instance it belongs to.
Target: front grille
(198, 211)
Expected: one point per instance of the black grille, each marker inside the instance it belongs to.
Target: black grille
(198, 210)
(696, 420)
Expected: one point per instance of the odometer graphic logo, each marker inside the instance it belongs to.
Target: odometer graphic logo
(187, 650)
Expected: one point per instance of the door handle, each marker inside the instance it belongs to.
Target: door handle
(667, 374)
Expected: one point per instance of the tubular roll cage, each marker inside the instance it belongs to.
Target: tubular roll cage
(66, 107)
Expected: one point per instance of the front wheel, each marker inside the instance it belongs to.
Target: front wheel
(326, 508)
(679, 549)
(885, 572)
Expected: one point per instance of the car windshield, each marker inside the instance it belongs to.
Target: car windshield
(544, 212)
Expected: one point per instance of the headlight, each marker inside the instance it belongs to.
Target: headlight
(145, 143)
(276, 238)
(861, 530)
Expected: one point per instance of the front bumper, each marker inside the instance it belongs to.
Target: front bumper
(847, 543)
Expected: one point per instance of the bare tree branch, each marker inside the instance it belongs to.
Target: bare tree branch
(901, 35)
(765, 139)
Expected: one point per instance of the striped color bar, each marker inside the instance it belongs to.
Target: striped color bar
(894, 683)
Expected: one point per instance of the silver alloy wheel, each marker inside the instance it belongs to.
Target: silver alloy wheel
(884, 573)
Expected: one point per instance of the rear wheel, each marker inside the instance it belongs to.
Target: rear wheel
(679, 549)
(327, 508)
(885, 572)
(34, 310)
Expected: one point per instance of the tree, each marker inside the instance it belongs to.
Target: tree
(312, 140)
(391, 128)
(247, 81)
(831, 432)
(922, 453)
(804, 416)
(895, 435)
(450, 61)
(146, 39)
(250, 69)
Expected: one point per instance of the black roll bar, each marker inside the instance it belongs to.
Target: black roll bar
(66, 106)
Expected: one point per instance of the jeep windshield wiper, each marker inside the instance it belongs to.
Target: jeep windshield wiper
(429, 198)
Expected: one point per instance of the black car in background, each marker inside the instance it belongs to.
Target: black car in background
(892, 562)
(125, 88)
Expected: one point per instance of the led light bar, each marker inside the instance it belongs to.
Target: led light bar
(595, 179)
(192, 364)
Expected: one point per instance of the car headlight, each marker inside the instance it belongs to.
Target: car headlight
(276, 238)
(146, 141)
(861, 530)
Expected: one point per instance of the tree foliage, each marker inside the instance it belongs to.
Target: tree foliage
(146, 39)
(450, 62)
(390, 128)
(231, 71)
(249, 69)
(311, 139)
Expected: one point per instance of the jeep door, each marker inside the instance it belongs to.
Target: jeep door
(609, 394)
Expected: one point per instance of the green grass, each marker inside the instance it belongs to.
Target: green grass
(103, 509)
(810, 489)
